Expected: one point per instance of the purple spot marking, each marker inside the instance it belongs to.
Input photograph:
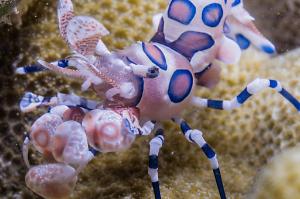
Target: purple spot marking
(182, 11)
(212, 15)
(191, 42)
(180, 85)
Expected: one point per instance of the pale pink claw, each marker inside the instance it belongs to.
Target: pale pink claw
(69, 144)
(64, 13)
(42, 132)
(52, 181)
(65, 71)
(105, 131)
(241, 28)
(83, 34)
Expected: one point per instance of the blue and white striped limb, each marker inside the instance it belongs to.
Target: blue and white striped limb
(253, 88)
(155, 145)
(63, 63)
(195, 136)
(31, 101)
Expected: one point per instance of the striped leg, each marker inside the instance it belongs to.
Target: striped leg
(31, 101)
(195, 136)
(155, 145)
(253, 88)
(63, 63)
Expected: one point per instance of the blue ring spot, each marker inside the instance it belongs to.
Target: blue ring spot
(273, 83)
(235, 3)
(63, 63)
(242, 41)
(189, 16)
(163, 65)
(172, 91)
(208, 13)
(268, 49)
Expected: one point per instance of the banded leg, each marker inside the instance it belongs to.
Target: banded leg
(147, 128)
(195, 136)
(31, 101)
(155, 145)
(253, 88)
(63, 63)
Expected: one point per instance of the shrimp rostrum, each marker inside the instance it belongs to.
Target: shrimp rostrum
(138, 87)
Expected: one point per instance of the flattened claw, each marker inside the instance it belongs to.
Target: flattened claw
(247, 34)
(65, 71)
(43, 130)
(31, 102)
(240, 12)
(64, 13)
(101, 49)
(52, 180)
(84, 33)
(240, 27)
(69, 144)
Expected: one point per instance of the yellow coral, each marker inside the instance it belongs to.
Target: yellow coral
(281, 178)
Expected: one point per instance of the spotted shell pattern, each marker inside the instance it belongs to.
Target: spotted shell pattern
(43, 130)
(105, 131)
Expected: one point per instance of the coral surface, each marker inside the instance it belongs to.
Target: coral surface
(244, 138)
(281, 178)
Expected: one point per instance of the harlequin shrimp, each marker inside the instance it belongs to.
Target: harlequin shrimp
(139, 87)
